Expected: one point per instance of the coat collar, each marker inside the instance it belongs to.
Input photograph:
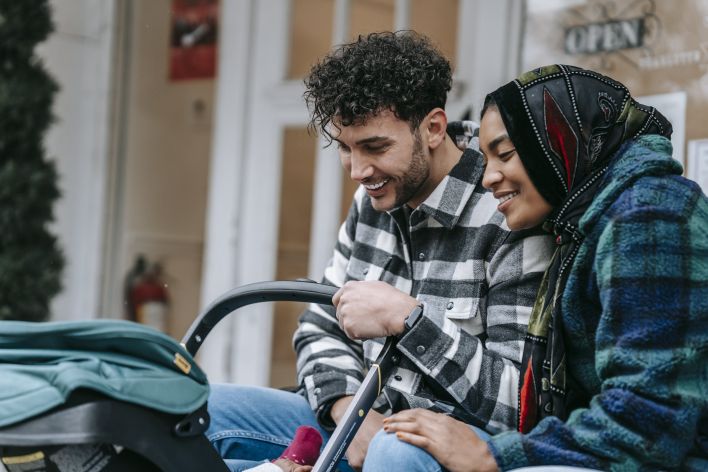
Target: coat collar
(647, 155)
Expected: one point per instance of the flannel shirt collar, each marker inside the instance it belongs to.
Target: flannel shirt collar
(447, 202)
(449, 199)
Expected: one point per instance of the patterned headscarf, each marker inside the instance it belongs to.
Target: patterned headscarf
(566, 124)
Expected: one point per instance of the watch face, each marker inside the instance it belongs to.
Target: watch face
(413, 317)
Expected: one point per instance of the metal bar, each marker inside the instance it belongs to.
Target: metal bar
(357, 410)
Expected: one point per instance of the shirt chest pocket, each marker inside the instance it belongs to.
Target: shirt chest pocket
(462, 306)
(466, 314)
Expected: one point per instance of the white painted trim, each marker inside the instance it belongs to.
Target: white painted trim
(488, 51)
(257, 251)
(79, 56)
(167, 238)
(226, 180)
(325, 215)
(340, 22)
(402, 15)
(112, 278)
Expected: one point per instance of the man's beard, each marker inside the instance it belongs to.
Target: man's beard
(417, 173)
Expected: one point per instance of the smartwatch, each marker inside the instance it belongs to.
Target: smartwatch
(413, 318)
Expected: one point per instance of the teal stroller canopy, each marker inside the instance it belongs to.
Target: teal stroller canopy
(41, 364)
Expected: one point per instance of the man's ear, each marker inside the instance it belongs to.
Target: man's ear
(436, 126)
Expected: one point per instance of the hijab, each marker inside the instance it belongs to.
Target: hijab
(567, 124)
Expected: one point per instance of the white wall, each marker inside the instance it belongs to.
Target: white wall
(78, 55)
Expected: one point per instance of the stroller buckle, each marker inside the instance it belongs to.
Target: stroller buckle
(24, 459)
(182, 363)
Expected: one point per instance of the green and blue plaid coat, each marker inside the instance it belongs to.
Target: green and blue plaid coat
(635, 311)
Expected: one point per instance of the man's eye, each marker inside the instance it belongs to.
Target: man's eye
(376, 149)
(342, 147)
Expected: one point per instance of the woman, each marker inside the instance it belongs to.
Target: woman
(615, 367)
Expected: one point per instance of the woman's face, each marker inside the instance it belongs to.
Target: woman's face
(506, 176)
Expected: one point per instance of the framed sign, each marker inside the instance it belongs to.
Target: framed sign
(193, 39)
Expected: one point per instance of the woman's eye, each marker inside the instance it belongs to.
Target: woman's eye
(504, 155)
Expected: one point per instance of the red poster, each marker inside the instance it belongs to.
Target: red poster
(193, 39)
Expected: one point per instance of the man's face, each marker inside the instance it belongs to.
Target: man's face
(388, 159)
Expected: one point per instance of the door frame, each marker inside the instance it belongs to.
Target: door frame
(254, 105)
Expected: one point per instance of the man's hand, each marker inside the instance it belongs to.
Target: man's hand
(369, 427)
(372, 309)
(452, 443)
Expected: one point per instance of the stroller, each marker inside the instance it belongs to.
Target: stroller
(116, 396)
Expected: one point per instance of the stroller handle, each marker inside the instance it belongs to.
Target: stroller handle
(290, 290)
(302, 291)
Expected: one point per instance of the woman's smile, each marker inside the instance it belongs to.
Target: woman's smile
(504, 199)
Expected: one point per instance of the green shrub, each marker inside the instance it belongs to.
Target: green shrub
(30, 259)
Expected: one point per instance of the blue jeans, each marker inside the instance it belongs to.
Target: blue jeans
(250, 425)
(387, 453)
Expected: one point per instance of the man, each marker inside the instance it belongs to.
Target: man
(422, 254)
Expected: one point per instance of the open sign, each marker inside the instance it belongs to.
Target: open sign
(603, 37)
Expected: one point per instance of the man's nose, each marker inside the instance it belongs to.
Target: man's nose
(360, 168)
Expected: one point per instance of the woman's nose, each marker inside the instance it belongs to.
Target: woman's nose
(491, 177)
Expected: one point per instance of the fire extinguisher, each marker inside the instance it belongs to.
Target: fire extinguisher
(147, 297)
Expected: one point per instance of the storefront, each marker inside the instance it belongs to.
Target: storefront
(657, 48)
(201, 160)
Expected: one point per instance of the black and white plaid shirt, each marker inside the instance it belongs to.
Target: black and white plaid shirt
(476, 280)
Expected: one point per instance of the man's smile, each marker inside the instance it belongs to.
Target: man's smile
(376, 186)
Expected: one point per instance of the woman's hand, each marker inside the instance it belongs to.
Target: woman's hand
(452, 443)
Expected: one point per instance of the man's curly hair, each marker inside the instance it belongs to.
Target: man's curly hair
(402, 72)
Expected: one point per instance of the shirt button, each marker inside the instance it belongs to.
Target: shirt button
(394, 359)
(398, 377)
(548, 407)
(366, 271)
(450, 305)
(421, 256)
(420, 349)
(317, 391)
